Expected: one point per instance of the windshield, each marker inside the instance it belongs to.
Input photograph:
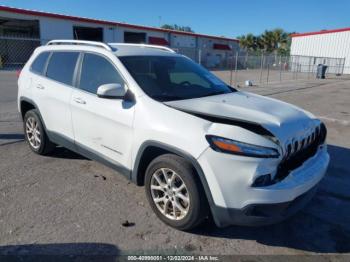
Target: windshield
(166, 78)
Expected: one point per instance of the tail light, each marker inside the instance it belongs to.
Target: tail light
(18, 73)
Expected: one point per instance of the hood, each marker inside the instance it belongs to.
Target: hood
(283, 120)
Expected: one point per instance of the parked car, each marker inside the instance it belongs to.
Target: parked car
(199, 146)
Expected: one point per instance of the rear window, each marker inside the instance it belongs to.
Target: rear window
(61, 66)
(39, 63)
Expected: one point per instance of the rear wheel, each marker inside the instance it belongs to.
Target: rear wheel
(175, 193)
(35, 133)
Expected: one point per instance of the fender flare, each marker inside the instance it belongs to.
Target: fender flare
(30, 101)
(25, 99)
(151, 143)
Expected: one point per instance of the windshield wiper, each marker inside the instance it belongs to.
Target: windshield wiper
(167, 97)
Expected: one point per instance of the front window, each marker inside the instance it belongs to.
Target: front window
(97, 71)
(166, 78)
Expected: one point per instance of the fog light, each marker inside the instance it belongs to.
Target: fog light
(264, 180)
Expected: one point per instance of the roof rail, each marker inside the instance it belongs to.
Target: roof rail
(144, 45)
(80, 42)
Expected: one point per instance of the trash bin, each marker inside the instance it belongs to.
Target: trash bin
(321, 71)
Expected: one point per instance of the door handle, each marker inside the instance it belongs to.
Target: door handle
(39, 86)
(79, 100)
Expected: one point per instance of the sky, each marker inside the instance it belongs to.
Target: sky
(230, 18)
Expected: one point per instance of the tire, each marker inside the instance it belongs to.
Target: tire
(39, 144)
(196, 207)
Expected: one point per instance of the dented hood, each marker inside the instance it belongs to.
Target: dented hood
(283, 120)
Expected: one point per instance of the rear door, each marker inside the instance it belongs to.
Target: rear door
(102, 126)
(54, 90)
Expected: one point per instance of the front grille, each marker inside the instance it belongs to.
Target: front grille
(301, 151)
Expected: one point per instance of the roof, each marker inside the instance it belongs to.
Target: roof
(321, 32)
(105, 22)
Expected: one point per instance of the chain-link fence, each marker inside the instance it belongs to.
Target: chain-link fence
(15, 52)
(241, 68)
(236, 68)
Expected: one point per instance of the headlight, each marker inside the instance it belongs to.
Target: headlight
(225, 145)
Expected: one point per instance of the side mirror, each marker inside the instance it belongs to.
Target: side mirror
(111, 91)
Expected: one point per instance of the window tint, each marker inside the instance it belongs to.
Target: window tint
(39, 63)
(61, 66)
(188, 78)
(97, 71)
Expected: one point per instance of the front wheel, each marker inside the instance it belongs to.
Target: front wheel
(175, 193)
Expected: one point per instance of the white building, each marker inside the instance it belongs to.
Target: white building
(18, 25)
(330, 47)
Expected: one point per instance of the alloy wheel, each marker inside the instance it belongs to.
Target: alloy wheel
(170, 194)
(33, 132)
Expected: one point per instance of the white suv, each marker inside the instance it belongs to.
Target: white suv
(198, 146)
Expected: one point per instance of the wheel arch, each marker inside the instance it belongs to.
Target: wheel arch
(29, 105)
(151, 149)
(26, 104)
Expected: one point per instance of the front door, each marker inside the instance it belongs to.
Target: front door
(102, 126)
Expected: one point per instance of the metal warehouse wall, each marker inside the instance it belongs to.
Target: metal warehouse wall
(200, 48)
(334, 45)
(54, 28)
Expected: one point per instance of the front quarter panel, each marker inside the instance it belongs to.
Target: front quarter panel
(158, 122)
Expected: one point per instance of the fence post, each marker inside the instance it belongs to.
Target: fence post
(298, 67)
(308, 71)
(231, 71)
(293, 67)
(200, 56)
(268, 74)
(261, 66)
(236, 65)
(280, 68)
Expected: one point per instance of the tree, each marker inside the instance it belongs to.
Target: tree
(276, 41)
(267, 41)
(248, 42)
(177, 27)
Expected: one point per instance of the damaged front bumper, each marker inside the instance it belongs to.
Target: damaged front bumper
(237, 202)
(262, 214)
